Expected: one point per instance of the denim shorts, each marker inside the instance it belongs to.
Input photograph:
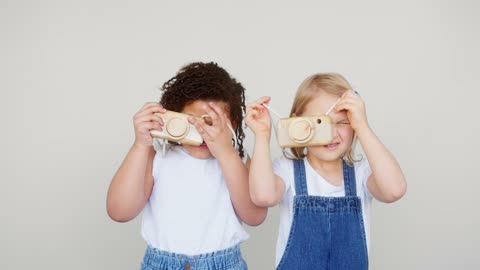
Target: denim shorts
(227, 259)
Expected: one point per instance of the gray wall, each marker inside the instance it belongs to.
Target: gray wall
(72, 74)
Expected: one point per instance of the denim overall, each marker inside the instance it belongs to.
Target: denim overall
(327, 233)
(227, 259)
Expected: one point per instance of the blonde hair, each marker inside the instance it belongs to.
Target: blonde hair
(332, 83)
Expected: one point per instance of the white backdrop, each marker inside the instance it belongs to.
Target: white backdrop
(73, 73)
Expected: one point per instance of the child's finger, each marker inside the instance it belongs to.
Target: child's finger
(257, 109)
(342, 107)
(262, 100)
(355, 101)
(347, 106)
(147, 126)
(352, 95)
(148, 105)
(158, 118)
(157, 126)
(152, 109)
(149, 118)
(147, 113)
(212, 114)
(255, 106)
(252, 113)
(201, 127)
(219, 111)
(345, 100)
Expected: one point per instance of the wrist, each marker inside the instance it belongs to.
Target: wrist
(141, 146)
(262, 136)
(227, 153)
(363, 131)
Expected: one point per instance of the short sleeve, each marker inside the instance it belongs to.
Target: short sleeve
(283, 167)
(363, 172)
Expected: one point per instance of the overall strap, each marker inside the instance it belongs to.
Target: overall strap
(349, 179)
(300, 178)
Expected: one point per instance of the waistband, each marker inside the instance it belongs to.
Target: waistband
(222, 259)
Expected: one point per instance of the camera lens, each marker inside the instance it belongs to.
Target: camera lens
(319, 121)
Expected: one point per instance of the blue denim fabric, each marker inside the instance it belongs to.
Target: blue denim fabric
(227, 259)
(327, 233)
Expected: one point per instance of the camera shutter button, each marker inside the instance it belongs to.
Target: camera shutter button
(177, 127)
(300, 131)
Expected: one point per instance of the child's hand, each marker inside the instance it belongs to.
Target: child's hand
(145, 120)
(216, 134)
(355, 108)
(257, 117)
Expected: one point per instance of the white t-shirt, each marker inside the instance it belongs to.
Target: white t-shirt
(189, 211)
(318, 186)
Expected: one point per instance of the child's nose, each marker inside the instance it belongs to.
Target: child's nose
(334, 130)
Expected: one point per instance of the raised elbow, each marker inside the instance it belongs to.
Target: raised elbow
(396, 193)
(118, 213)
(263, 200)
(257, 218)
(118, 216)
(254, 221)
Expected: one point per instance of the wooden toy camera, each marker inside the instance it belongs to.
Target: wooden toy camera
(304, 131)
(177, 128)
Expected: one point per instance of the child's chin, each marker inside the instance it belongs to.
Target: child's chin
(198, 152)
(321, 153)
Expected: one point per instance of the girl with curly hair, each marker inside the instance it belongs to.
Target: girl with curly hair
(194, 198)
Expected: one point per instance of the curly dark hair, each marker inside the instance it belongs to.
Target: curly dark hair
(207, 81)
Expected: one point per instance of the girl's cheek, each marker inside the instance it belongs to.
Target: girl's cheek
(344, 129)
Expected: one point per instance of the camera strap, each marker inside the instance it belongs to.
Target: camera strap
(234, 136)
(333, 106)
(275, 124)
(275, 128)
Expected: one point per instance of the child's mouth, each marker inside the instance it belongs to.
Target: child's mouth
(332, 146)
(203, 145)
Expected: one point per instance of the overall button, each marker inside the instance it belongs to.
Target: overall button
(187, 266)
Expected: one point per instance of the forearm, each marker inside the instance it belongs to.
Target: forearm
(263, 187)
(389, 182)
(127, 195)
(236, 177)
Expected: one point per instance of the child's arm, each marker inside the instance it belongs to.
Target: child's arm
(219, 141)
(387, 182)
(236, 177)
(132, 185)
(266, 188)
